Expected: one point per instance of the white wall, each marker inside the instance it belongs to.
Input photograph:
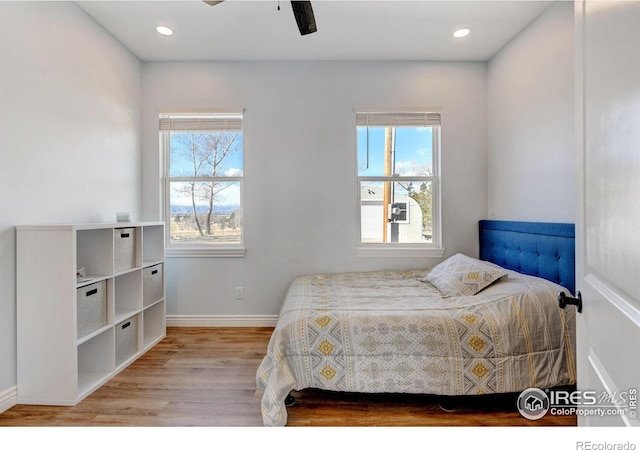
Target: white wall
(70, 105)
(300, 211)
(530, 125)
(70, 130)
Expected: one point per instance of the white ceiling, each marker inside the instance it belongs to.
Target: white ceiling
(347, 29)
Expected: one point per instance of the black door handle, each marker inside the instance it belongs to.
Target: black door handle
(563, 300)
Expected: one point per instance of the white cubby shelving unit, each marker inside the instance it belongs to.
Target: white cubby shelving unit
(75, 333)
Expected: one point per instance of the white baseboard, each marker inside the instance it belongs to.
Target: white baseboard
(222, 321)
(8, 399)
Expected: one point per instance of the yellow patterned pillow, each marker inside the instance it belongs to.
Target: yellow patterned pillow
(461, 275)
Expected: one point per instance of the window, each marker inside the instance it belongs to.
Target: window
(399, 212)
(203, 183)
(398, 182)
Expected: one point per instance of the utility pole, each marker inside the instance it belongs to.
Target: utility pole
(388, 162)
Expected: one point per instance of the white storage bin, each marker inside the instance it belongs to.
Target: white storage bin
(152, 284)
(124, 248)
(92, 308)
(126, 339)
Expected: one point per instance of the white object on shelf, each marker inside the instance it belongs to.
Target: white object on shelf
(69, 343)
(123, 217)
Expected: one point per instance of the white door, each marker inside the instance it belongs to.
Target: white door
(608, 217)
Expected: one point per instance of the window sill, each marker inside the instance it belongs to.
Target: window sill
(227, 252)
(399, 252)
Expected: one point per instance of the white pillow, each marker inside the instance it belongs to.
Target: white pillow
(462, 275)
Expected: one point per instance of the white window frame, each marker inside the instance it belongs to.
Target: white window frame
(405, 116)
(233, 250)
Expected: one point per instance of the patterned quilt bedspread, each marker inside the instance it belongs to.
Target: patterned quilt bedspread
(387, 331)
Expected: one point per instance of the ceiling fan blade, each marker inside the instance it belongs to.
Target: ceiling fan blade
(302, 11)
(305, 19)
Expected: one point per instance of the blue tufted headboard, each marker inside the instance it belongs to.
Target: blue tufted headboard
(545, 250)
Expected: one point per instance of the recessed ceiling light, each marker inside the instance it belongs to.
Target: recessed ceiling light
(165, 31)
(462, 32)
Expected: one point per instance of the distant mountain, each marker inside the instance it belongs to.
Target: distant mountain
(217, 209)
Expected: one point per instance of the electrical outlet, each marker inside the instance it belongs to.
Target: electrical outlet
(239, 293)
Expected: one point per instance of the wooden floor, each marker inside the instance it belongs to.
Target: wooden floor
(205, 377)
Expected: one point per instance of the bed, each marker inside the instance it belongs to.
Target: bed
(467, 326)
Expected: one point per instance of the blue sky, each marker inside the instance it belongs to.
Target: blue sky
(413, 151)
(232, 166)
